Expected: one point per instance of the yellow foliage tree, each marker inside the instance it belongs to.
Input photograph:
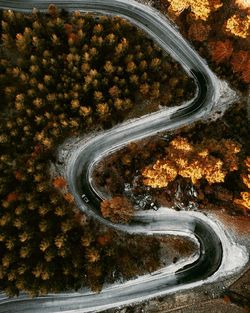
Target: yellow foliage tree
(200, 9)
(194, 162)
(244, 201)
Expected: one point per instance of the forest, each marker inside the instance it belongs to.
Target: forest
(63, 75)
(56, 84)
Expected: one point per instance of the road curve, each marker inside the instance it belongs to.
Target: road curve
(214, 247)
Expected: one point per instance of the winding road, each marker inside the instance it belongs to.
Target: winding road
(215, 247)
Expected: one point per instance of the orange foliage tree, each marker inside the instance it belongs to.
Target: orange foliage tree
(218, 29)
(220, 50)
(239, 60)
(240, 63)
(59, 182)
(118, 209)
(198, 31)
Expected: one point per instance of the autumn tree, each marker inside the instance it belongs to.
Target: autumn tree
(220, 50)
(70, 73)
(244, 200)
(194, 162)
(118, 209)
